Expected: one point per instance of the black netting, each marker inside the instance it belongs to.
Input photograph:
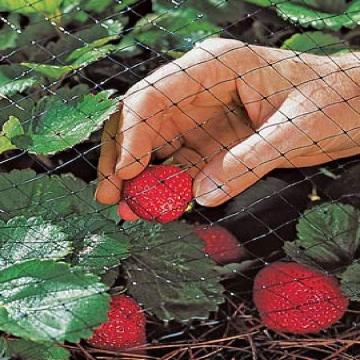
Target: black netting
(231, 128)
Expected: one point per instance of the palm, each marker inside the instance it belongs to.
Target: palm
(226, 108)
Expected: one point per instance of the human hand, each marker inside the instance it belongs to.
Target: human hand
(231, 113)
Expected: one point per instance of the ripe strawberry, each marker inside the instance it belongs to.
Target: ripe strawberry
(294, 298)
(161, 193)
(125, 327)
(220, 244)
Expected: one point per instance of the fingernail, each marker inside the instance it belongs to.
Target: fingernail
(211, 191)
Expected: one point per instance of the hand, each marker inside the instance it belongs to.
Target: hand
(231, 113)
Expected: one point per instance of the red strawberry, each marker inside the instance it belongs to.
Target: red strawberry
(294, 298)
(125, 327)
(161, 193)
(220, 244)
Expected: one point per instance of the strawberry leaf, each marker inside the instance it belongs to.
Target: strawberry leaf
(29, 350)
(51, 71)
(49, 7)
(11, 128)
(318, 17)
(167, 28)
(350, 281)
(67, 202)
(328, 236)
(59, 198)
(169, 273)
(43, 300)
(316, 42)
(62, 124)
(102, 252)
(306, 17)
(24, 239)
(4, 350)
(13, 80)
(10, 32)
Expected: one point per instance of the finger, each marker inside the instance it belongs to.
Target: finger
(135, 139)
(125, 212)
(275, 144)
(189, 159)
(109, 186)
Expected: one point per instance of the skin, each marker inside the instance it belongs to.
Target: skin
(231, 113)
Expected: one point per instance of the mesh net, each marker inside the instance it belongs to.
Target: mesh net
(256, 100)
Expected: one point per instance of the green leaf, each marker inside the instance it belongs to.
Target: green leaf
(29, 350)
(328, 236)
(24, 239)
(263, 3)
(171, 29)
(64, 199)
(350, 281)
(10, 129)
(43, 300)
(69, 203)
(75, 40)
(332, 6)
(77, 59)
(95, 45)
(97, 6)
(320, 20)
(49, 7)
(10, 32)
(64, 125)
(102, 252)
(316, 42)
(13, 80)
(4, 351)
(215, 11)
(315, 15)
(169, 273)
(51, 71)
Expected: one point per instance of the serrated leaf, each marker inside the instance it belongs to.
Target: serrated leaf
(263, 3)
(64, 199)
(328, 236)
(29, 350)
(298, 12)
(214, 11)
(320, 20)
(77, 50)
(102, 252)
(350, 281)
(10, 32)
(346, 188)
(93, 46)
(51, 71)
(24, 239)
(48, 7)
(332, 6)
(77, 59)
(4, 351)
(43, 300)
(171, 29)
(316, 42)
(97, 6)
(13, 80)
(169, 273)
(10, 129)
(63, 125)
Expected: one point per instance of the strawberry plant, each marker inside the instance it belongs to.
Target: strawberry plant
(64, 67)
